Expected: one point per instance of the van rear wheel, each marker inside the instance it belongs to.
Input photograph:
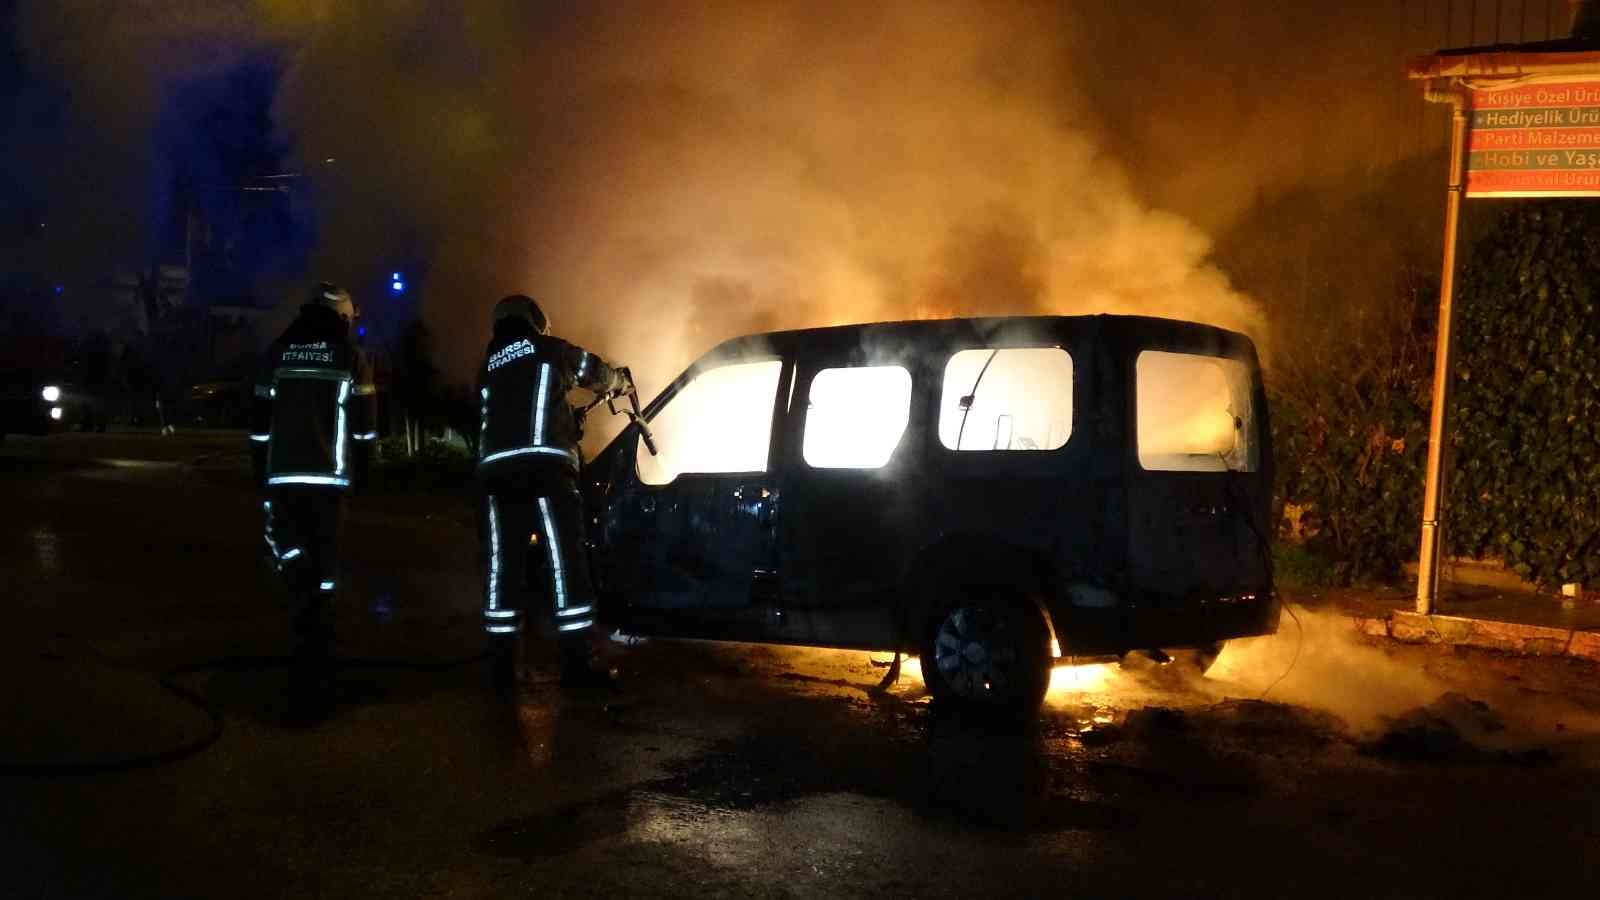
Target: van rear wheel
(989, 653)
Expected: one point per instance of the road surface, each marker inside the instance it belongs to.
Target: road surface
(1370, 770)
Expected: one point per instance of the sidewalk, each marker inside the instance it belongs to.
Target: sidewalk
(1493, 618)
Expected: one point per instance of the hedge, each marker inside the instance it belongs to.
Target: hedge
(1526, 485)
(1350, 427)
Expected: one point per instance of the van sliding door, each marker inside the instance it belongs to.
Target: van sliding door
(846, 513)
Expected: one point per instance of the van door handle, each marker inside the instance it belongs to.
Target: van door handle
(759, 496)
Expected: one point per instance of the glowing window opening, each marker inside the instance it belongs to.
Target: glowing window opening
(718, 423)
(1021, 399)
(1194, 413)
(856, 417)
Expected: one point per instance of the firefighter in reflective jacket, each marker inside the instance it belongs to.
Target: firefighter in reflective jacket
(532, 513)
(313, 423)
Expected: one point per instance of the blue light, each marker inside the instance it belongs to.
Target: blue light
(399, 287)
(59, 289)
(361, 331)
(395, 276)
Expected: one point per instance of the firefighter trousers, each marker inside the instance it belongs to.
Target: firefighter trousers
(302, 537)
(534, 559)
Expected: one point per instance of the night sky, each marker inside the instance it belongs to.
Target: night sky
(666, 175)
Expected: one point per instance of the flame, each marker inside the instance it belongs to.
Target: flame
(720, 422)
(1064, 680)
(1091, 678)
(1187, 409)
(856, 416)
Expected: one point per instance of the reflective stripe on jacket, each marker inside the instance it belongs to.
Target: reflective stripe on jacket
(313, 398)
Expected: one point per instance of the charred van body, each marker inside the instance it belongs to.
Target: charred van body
(967, 490)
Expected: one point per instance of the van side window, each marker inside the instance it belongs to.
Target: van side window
(719, 422)
(1194, 413)
(856, 417)
(1010, 399)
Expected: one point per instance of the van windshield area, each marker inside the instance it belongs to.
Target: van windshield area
(1017, 398)
(718, 423)
(1195, 413)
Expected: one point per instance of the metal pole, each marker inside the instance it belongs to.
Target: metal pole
(1433, 492)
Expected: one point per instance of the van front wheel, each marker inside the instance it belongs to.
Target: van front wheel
(989, 653)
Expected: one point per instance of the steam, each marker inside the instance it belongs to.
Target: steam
(1325, 663)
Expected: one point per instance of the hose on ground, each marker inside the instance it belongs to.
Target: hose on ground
(214, 718)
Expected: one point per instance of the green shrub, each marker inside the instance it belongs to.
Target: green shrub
(1350, 427)
(1350, 413)
(1526, 479)
(1297, 564)
(439, 464)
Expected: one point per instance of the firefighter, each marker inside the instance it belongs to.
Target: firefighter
(313, 424)
(532, 520)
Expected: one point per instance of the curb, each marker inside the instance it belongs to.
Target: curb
(1507, 637)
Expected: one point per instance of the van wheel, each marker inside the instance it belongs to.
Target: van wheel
(990, 653)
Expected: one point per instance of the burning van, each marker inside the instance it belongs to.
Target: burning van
(992, 495)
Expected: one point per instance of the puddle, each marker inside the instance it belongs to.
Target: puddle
(559, 831)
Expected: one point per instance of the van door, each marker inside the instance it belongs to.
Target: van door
(845, 518)
(1194, 491)
(687, 533)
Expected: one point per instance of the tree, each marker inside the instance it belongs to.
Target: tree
(416, 385)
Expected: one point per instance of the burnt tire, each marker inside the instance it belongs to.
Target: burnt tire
(987, 653)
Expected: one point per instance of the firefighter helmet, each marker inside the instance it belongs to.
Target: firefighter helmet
(336, 298)
(519, 306)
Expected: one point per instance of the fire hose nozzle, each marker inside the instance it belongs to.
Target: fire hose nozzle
(635, 415)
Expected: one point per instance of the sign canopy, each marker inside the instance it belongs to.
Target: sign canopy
(1525, 123)
(1533, 125)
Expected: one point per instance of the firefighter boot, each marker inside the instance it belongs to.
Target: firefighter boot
(581, 668)
(311, 671)
(505, 663)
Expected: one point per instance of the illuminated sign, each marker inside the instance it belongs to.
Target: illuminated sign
(1535, 140)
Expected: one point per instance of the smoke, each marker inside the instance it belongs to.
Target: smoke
(672, 177)
(1324, 662)
(663, 176)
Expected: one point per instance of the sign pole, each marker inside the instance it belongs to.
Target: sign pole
(1433, 491)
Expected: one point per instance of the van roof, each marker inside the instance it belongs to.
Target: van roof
(1174, 332)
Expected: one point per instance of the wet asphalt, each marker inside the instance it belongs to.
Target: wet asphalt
(716, 770)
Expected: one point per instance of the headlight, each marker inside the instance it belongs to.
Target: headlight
(51, 393)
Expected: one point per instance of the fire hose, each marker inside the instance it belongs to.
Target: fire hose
(168, 680)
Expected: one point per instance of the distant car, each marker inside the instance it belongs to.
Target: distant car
(217, 404)
(42, 402)
(993, 495)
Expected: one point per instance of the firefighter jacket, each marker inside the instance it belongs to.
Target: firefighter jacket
(527, 425)
(314, 414)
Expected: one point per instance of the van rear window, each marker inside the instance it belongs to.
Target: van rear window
(1194, 413)
(1016, 398)
(720, 422)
